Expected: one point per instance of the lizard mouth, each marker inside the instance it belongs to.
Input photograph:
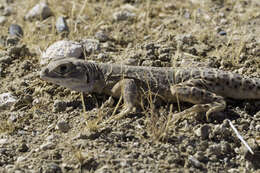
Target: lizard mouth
(43, 73)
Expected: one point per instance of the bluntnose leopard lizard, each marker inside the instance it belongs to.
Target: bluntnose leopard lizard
(206, 88)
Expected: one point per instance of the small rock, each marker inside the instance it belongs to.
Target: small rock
(40, 11)
(203, 132)
(61, 49)
(128, 7)
(201, 156)
(102, 56)
(6, 59)
(11, 40)
(4, 141)
(223, 21)
(26, 65)
(8, 11)
(187, 15)
(233, 170)
(53, 168)
(195, 162)
(19, 159)
(1, 72)
(183, 39)
(215, 149)
(63, 126)
(225, 147)
(164, 57)
(102, 36)
(222, 33)
(59, 106)
(221, 131)
(147, 63)
(15, 30)
(257, 127)
(13, 117)
(18, 50)
(23, 148)
(9, 168)
(51, 137)
(9, 1)
(130, 61)
(61, 25)
(90, 45)
(47, 146)
(2, 20)
(123, 15)
(6, 101)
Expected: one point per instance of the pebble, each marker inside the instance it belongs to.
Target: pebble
(61, 25)
(164, 57)
(47, 146)
(63, 126)
(40, 11)
(15, 30)
(20, 159)
(101, 36)
(201, 156)
(90, 45)
(147, 63)
(257, 127)
(222, 33)
(8, 11)
(102, 56)
(6, 59)
(4, 141)
(233, 170)
(2, 20)
(59, 106)
(61, 49)
(183, 39)
(130, 61)
(223, 21)
(1, 72)
(23, 148)
(203, 131)
(195, 162)
(51, 137)
(214, 149)
(12, 41)
(123, 15)
(53, 168)
(7, 100)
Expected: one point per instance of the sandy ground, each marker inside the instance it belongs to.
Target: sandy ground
(45, 129)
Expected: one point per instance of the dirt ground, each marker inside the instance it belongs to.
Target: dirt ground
(46, 129)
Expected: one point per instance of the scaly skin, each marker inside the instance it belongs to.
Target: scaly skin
(204, 87)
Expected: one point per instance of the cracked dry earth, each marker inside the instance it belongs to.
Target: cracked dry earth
(44, 129)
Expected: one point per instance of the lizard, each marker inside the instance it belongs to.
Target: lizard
(206, 88)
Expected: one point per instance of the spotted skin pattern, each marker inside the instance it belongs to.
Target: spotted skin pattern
(206, 88)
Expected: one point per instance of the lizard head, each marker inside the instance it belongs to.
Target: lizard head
(70, 73)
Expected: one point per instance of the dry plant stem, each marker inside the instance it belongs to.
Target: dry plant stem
(240, 137)
(82, 95)
(113, 116)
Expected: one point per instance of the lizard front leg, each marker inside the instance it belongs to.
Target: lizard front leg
(127, 89)
(204, 100)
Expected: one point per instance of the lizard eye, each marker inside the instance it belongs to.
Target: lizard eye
(62, 69)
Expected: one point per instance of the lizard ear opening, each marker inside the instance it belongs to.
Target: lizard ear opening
(87, 77)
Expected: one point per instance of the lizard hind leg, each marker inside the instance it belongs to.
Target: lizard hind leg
(204, 100)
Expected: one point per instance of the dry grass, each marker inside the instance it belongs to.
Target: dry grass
(6, 127)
